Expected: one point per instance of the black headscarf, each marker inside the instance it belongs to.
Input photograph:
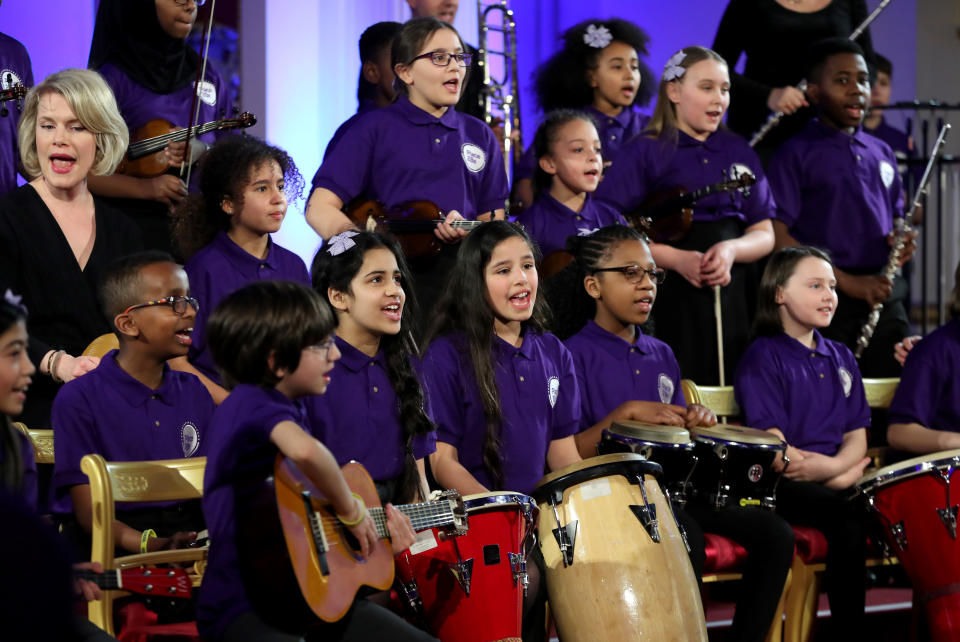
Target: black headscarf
(128, 34)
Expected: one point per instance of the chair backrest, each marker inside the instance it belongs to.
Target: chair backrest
(135, 481)
(880, 391)
(42, 440)
(101, 345)
(719, 399)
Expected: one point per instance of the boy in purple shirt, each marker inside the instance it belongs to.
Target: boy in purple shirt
(133, 406)
(874, 123)
(925, 412)
(807, 390)
(838, 188)
(14, 69)
(224, 232)
(272, 341)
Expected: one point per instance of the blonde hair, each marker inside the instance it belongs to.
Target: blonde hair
(94, 105)
(664, 121)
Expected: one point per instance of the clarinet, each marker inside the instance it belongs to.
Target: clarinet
(902, 227)
(776, 117)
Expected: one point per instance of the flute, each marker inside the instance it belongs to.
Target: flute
(776, 117)
(902, 227)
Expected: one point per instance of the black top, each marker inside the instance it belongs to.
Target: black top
(36, 262)
(775, 40)
(473, 89)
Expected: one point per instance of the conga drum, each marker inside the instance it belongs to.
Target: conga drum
(470, 588)
(669, 446)
(913, 501)
(735, 466)
(616, 565)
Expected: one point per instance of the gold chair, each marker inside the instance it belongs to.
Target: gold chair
(101, 345)
(803, 597)
(42, 441)
(135, 481)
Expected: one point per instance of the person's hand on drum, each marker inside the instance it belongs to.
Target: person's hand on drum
(815, 467)
(651, 412)
(401, 529)
(849, 477)
(698, 415)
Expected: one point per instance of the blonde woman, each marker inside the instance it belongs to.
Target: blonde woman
(55, 237)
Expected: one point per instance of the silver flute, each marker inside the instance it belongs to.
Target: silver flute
(900, 241)
(776, 117)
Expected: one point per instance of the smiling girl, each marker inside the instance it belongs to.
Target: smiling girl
(686, 147)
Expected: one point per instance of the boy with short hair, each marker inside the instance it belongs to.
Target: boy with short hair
(837, 188)
(874, 123)
(133, 406)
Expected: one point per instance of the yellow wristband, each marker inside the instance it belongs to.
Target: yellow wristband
(145, 537)
(363, 512)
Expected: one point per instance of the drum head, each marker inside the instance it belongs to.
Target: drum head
(501, 499)
(737, 435)
(908, 468)
(628, 464)
(650, 432)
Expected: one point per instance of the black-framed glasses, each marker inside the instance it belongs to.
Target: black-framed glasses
(178, 303)
(634, 273)
(442, 58)
(183, 3)
(322, 349)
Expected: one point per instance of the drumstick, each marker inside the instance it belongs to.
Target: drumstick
(719, 319)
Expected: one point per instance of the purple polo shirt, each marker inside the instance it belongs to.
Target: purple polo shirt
(550, 222)
(611, 371)
(14, 68)
(614, 131)
(539, 400)
(364, 107)
(401, 153)
(240, 450)
(28, 483)
(138, 105)
(358, 416)
(838, 192)
(813, 396)
(110, 413)
(645, 167)
(223, 267)
(898, 140)
(929, 390)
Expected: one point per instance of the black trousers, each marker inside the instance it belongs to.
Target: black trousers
(839, 519)
(768, 540)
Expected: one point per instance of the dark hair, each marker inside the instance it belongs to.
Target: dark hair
(264, 318)
(663, 123)
(464, 308)
(571, 305)
(121, 282)
(546, 137)
(375, 39)
(225, 171)
(780, 267)
(561, 81)
(819, 52)
(882, 64)
(953, 307)
(11, 466)
(337, 272)
(411, 38)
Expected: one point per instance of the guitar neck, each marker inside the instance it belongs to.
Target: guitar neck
(155, 144)
(108, 580)
(419, 226)
(423, 516)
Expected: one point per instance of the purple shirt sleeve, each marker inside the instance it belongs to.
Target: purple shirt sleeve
(929, 389)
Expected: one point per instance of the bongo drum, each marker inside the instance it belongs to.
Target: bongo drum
(471, 588)
(913, 501)
(669, 446)
(616, 565)
(735, 466)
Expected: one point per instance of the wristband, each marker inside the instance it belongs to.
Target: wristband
(54, 362)
(363, 512)
(145, 536)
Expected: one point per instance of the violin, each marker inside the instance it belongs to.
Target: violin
(413, 224)
(145, 157)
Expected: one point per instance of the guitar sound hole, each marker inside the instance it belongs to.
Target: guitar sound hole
(491, 554)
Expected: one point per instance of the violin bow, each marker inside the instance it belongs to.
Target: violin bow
(186, 166)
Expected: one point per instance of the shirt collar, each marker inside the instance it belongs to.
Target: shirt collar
(711, 144)
(616, 346)
(419, 117)
(842, 137)
(356, 360)
(245, 262)
(526, 349)
(797, 349)
(622, 119)
(135, 392)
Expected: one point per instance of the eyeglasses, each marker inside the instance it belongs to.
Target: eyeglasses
(178, 303)
(634, 273)
(183, 3)
(442, 58)
(322, 349)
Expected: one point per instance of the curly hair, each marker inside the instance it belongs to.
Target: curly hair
(225, 171)
(562, 81)
(337, 272)
(464, 308)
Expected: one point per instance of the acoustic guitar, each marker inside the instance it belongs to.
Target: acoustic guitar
(301, 563)
(145, 155)
(146, 580)
(413, 224)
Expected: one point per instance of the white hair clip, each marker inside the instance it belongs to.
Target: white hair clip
(597, 37)
(673, 70)
(14, 300)
(340, 243)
